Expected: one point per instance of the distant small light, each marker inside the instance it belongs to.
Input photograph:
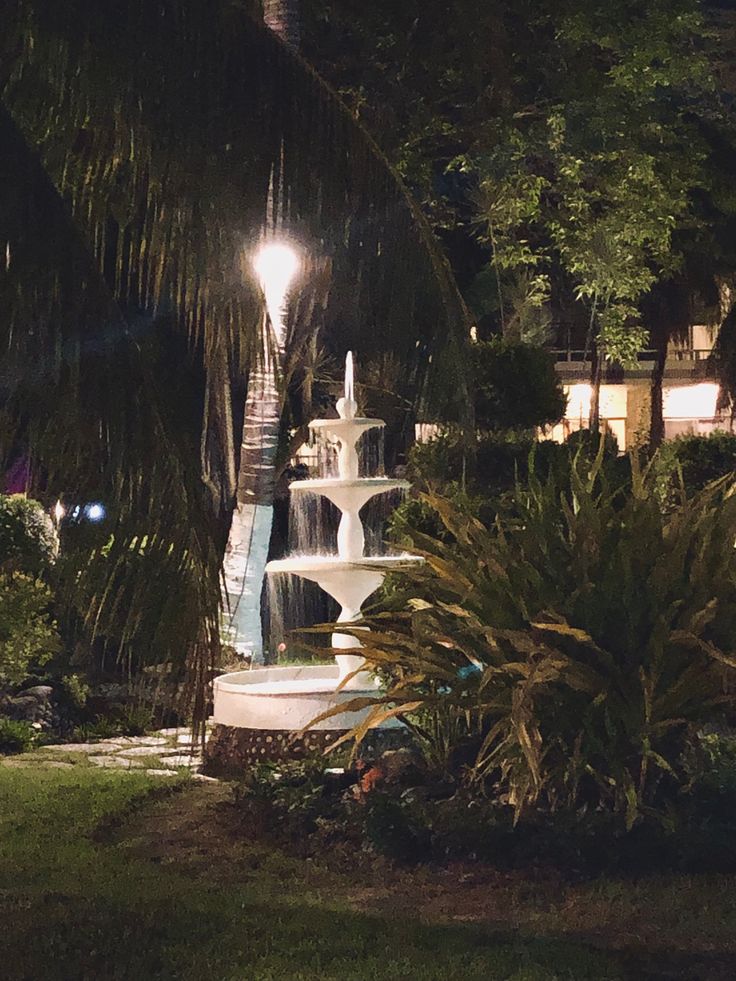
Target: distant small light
(94, 513)
(59, 512)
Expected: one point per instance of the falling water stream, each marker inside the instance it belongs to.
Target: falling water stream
(322, 454)
(291, 601)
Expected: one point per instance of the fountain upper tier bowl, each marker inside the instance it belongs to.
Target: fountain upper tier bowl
(349, 495)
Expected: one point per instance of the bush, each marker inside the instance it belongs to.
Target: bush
(395, 829)
(131, 720)
(710, 762)
(693, 462)
(28, 546)
(443, 463)
(76, 691)
(135, 720)
(28, 539)
(99, 728)
(516, 386)
(28, 635)
(580, 640)
(16, 737)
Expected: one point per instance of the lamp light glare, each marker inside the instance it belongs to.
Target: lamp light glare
(59, 512)
(276, 264)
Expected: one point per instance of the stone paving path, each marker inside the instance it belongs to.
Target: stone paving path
(164, 753)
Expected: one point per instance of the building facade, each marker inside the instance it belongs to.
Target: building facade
(689, 392)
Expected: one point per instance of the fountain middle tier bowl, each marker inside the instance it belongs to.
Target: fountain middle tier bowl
(349, 495)
(343, 426)
(349, 582)
(314, 566)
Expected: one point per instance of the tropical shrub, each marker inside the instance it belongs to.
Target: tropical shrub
(516, 386)
(99, 728)
(28, 539)
(577, 643)
(694, 461)
(75, 690)
(445, 463)
(15, 737)
(28, 546)
(28, 635)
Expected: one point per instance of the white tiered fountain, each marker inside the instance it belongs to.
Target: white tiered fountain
(284, 700)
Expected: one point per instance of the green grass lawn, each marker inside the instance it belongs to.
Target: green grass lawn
(109, 875)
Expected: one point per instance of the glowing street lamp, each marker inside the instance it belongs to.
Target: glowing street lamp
(276, 264)
(59, 512)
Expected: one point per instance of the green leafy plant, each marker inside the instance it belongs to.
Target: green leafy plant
(710, 760)
(583, 638)
(76, 690)
(28, 546)
(515, 385)
(392, 828)
(99, 728)
(291, 795)
(28, 635)
(16, 737)
(28, 539)
(135, 720)
(691, 462)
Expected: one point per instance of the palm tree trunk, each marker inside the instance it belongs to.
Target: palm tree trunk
(250, 531)
(282, 16)
(244, 568)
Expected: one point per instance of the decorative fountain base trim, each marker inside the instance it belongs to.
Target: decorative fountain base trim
(234, 748)
(231, 750)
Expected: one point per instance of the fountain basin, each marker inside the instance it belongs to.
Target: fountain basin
(286, 699)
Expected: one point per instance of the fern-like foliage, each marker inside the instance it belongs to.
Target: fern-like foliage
(578, 640)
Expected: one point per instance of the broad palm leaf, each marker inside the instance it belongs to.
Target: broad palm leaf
(68, 353)
(162, 127)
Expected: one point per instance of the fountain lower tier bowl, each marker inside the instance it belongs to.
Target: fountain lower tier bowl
(349, 495)
(286, 699)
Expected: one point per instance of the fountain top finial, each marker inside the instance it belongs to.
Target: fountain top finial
(347, 406)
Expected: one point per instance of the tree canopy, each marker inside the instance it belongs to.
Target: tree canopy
(581, 145)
